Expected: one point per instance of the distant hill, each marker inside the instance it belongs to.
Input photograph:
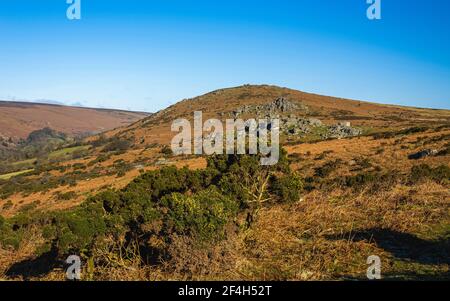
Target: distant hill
(19, 119)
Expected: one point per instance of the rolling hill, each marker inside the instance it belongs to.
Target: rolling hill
(225, 103)
(358, 179)
(19, 119)
(140, 145)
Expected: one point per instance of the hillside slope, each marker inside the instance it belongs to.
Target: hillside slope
(225, 103)
(113, 159)
(19, 119)
(331, 202)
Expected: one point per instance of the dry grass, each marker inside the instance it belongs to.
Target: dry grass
(322, 237)
(26, 250)
(293, 242)
(327, 235)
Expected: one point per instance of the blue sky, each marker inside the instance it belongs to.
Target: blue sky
(146, 55)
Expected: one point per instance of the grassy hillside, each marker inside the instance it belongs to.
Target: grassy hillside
(132, 210)
(19, 119)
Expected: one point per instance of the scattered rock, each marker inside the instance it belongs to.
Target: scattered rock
(283, 105)
(341, 131)
(422, 154)
(345, 123)
(280, 105)
(315, 122)
(352, 163)
(162, 161)
(293, 125)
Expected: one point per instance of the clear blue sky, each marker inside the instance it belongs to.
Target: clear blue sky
(145, 55)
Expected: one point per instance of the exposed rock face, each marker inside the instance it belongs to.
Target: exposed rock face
(292, 124)
(283, 105)
(345, 123)
(280, 105)
(342, 131)
(315, 122)
(422, 154)
(297, 126)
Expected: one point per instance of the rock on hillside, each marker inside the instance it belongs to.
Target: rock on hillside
(306, 112)
(293, 124)
(279, 105)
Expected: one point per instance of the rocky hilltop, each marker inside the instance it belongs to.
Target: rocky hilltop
(291, 121)
(304, 116)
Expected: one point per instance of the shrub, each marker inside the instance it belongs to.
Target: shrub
(439, 174)
(117, 145)
(408, 131)
(295, 157)
(121, 173)
(102, 140)
(287, 187)
(79, 153)
(444, 152)
(8, 237)
(66, 196)
(99, 159)
(164, 181)
(76, 231)
(79, 166)
(243, 178)
(166, 150)
(374, 179)
(7, 205)
(364, 163)
(326, 169)
(121, 167)
(202, 215)
(198, 206)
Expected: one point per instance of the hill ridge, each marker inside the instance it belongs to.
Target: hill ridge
(18, 119)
